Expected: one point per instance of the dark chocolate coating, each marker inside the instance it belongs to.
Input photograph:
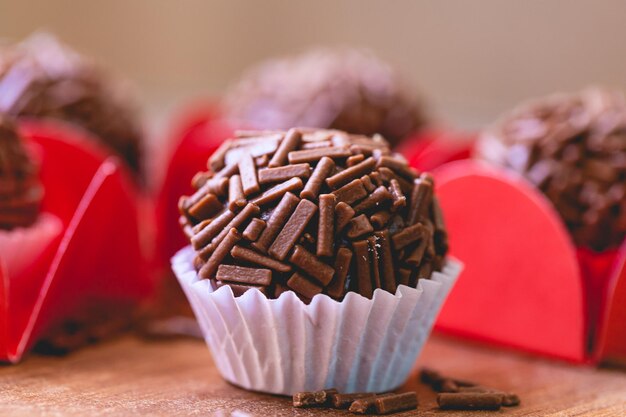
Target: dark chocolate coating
(20, 189)
(45, 79)
(345, 89)
(322, 241)
(573, 148)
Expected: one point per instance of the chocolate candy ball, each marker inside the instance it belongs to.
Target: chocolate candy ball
(45, 79)
(573, 148)
(312, 211)
(20, 190)
(346, 89)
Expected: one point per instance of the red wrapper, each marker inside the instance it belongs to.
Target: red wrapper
(430, 148)
(19, 247)
(98, 255)
(525, 284)
(197, 134)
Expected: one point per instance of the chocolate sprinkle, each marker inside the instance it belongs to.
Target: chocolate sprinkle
(572, 147)
(470, 401)
(354, 229)
(313, 399)
(460, 394)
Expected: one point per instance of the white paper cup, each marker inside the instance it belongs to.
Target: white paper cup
(20, 247)
(283, 346)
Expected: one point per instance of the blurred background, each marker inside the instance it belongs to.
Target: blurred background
(472, 60)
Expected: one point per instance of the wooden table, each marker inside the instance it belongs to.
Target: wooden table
(131, 376)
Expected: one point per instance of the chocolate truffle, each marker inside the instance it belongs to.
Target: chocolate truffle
(346, 89)
(43, 78)
(573, 148)
(312, 211)
(20, 190)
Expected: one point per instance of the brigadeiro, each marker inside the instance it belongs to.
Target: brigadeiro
(43, 78)
(573, 148)
(347, 89)
(313, 235)
(20, 189)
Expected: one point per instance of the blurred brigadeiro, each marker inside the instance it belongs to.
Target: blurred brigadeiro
(347, 89)
(573, 148)
(20, 190)
(41, 77)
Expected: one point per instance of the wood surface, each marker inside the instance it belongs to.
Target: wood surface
(131, 376)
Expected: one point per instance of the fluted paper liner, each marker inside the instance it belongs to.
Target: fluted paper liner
(22, 246)
(283, 346)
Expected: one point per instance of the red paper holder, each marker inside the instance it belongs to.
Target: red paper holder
(197, 134)
(525, 285)
(99, 256)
